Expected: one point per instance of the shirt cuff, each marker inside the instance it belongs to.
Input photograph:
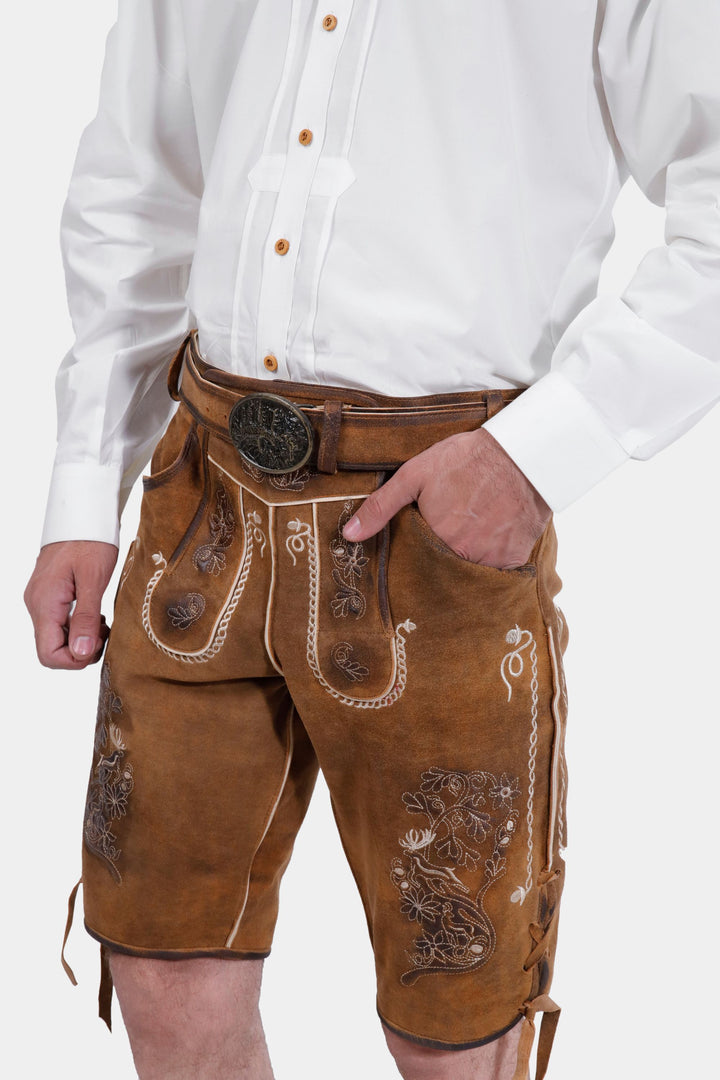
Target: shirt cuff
(83, 504)
(557, 439)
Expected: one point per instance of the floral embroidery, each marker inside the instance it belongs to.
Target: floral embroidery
(111, 780)
(443, 875)
(210, 558)
(303, 538)
(349, 561)
(341, 658)
(292, 481)
(187, 611)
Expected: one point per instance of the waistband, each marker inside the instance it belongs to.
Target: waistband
(353, 429)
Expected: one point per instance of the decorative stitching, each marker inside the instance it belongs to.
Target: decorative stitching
(349, 561)
(514, 663)
(111, 779)
(457, 933)
(562, 835)
(304, 538)
(340, 655)
(254, 522)
(220, 632)
(130, 559)
(296, 544)
(292, 481)
(210, 558)
(187, 611)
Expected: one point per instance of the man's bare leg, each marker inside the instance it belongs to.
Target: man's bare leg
(193, 1019)
(494, 1061)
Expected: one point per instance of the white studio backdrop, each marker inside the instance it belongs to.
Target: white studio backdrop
(635, 970)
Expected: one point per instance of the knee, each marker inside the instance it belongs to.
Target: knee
(164, 994)
(416, 1062)
(495, 1060)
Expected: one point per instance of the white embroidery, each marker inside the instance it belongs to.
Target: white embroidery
(254, 521)
(304, 538)
(219, 631)
(448, 867)
(296, 544)
(514, 663)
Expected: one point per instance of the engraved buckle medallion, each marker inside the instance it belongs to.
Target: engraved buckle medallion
(270, 433)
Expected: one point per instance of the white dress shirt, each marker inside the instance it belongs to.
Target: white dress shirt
(443, 174)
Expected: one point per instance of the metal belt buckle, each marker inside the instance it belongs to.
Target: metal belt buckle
(270, 433)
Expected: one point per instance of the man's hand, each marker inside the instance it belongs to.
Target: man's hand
(471, 494)
(72, 571)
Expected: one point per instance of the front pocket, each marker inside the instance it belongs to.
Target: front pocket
(192, 594)
(433, 541)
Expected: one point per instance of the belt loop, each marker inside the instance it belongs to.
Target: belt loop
(173, 377)
(329, 437)
(494, 401)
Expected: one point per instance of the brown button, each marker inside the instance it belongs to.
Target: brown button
(329, 22)
(282, 247)
(305, 136)
(270, 362)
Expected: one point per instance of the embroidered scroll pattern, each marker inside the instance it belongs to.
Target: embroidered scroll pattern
(255, 522)
(302, 539)
(210, 558)
(444, 873)
(111, 779)
(292, 481)
(349, 562)
(341, 655)
(513, 665)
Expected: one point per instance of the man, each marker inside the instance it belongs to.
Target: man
(390, 218)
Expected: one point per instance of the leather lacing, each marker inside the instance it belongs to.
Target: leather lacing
(540, 1001)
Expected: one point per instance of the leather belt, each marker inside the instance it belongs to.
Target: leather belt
(346, 429)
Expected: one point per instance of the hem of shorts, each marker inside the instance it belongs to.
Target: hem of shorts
(438, 1044)
(177, 954)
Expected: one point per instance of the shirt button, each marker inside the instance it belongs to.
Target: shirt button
(282, 247)
(270, 362)
(329, 22)
(305, 136)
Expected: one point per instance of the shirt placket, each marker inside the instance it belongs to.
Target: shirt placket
(305, 141)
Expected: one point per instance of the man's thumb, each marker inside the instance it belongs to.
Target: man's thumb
(84, 638)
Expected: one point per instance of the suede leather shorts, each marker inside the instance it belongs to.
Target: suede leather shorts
(253, 645)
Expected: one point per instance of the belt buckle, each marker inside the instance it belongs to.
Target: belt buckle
(270, 433)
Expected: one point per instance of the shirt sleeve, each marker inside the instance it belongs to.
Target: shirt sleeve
(633, 373)
(127, 235)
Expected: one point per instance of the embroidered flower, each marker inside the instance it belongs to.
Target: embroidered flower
(210, 558)
(418, 906)
(111, 780)
(505, 791)
(448, 867)
(416, 840)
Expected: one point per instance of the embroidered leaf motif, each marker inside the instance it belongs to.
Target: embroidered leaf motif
(210, 558)
(187, 611)
(349, 561)
(111, 780)
(341, 655)
(437, 873)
